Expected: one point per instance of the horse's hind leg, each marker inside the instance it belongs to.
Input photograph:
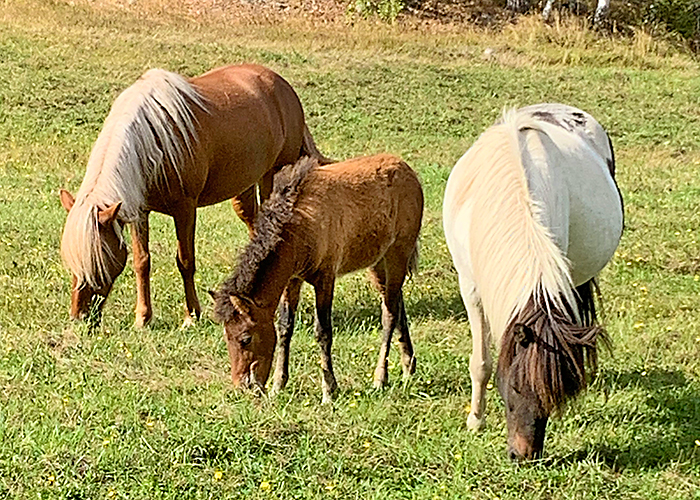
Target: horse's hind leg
(246, 207)
(480, 363)
(324, 334)
(185, 220)
(389, 285)
(285, 329)
(142, 269)
(408, 359)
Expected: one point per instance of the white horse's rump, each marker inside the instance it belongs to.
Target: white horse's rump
(531, 211)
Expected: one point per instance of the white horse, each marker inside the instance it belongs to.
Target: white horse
(531, 215)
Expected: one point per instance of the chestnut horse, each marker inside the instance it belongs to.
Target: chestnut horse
(531, 215)
(322, 222)
(171, 145)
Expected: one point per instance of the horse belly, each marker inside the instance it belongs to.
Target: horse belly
(595, 223)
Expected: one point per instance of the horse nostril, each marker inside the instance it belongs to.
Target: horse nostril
(513, 455)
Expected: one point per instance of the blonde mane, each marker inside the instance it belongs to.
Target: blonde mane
(150, 129)
(515, 258)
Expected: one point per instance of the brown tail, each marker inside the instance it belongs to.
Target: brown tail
(413, 260)
(308, 148)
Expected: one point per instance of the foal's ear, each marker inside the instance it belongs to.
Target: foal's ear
(67, 199)
(241, 303)
(109, 214)
(523, 335)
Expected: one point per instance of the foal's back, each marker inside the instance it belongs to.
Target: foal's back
(354, 211)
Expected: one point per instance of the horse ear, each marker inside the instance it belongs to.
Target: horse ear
(109, 214)
(67, 199)
(523, 334)
(242, 303)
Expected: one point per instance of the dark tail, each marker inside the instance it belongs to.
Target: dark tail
(308, 148)
(413, 260)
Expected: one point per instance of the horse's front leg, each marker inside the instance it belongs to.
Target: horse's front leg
(142, 269)
(285, 329)
(324, 334)
(246, 207)
(480, 363)
(185, 220)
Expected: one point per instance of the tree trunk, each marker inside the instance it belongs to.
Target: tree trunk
(601, 12)
(547, 11)
(518, 5)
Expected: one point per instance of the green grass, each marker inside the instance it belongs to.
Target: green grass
(122, 413)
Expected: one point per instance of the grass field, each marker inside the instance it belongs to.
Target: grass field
(144, 414)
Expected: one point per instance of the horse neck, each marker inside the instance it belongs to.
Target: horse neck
(286, 260)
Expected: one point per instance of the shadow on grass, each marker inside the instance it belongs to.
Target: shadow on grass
(433, 307)
(672, 406)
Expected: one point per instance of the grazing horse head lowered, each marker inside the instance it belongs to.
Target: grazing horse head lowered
(531, 215)
(319, 223)
(170, 145)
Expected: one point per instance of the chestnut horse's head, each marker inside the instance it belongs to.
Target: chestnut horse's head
(542, 364)
(249, 332)
(93, 249)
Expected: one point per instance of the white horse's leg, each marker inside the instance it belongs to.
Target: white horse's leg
(480, 364)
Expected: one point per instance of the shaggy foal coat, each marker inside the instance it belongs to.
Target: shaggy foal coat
(322, 222)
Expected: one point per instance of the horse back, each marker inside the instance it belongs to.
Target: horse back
(253, 122)
(571, 176)
(358, 209)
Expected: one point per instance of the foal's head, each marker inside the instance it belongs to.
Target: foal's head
(249, 332)
(95, 253)
(542, 364)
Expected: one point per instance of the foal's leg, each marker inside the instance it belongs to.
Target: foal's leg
(324, 334)
(480, 364)
(390, 288)
(184, 228)
(408, 359)
(246, 207)
(285, 329)
(142, 269)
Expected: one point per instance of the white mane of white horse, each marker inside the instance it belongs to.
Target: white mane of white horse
(139, 140)
(513, 255)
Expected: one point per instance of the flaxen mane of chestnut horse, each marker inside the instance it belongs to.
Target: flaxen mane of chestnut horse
(170, 145)
(319, 223)
(531, 215)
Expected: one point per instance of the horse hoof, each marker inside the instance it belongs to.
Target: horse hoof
(474, 423)
(409, 368)
(189, 322)
(141, 321)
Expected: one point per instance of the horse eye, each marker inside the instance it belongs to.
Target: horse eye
(245, 341)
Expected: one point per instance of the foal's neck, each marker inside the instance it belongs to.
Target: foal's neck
(285, 261)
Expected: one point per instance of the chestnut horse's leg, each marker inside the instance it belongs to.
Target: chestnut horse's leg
(480, 364)
(142, 269)
(185, 220)
(246, 206)
(285, 329)
(324, 333)
(266, 185)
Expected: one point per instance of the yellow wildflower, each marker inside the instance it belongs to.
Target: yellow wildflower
(218, 475)
(265, 486)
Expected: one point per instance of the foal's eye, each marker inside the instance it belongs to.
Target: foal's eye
(245, 341)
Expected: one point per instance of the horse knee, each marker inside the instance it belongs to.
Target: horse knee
(480, 369)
